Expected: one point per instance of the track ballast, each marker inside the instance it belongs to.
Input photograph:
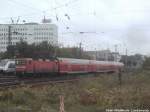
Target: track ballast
(8, 81)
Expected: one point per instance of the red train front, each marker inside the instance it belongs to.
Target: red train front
(28, 65)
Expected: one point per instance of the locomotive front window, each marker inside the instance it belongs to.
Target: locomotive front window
(12, 65)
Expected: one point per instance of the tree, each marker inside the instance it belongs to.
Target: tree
(43, 50)
(146, 63)
(73, 52)
(22, 49)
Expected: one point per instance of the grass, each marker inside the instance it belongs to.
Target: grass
(86, 95)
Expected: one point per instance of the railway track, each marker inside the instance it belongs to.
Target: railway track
(8, 81)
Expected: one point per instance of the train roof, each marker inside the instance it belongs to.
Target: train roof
(85, 61)
(24, 59)
(82, 61)
(72, 60)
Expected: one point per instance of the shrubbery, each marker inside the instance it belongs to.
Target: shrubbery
(87, 95)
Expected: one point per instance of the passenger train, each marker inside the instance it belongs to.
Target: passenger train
(65, 66)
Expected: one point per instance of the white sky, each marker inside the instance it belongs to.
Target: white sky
(122, 22)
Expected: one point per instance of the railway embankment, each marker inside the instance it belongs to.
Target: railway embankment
(85, 95)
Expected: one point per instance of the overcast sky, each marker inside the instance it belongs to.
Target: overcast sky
(107, 22)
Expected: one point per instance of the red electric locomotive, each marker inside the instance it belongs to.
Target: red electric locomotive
(28, 65)
(65, 66)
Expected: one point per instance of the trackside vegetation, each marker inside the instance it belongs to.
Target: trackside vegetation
(87, 95)
(42, 50)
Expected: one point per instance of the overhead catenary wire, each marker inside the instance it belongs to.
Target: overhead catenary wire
(38, 10)
(56, 15)
(62, 5)
(24, 5)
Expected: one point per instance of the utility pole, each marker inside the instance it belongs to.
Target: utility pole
(9, 31)
(9, 36)
(126, 59)
(119, 78)
(116, 47)
(80, 47)
(95, 54)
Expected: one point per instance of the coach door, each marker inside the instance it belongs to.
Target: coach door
(30, 68)
(54, 66)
